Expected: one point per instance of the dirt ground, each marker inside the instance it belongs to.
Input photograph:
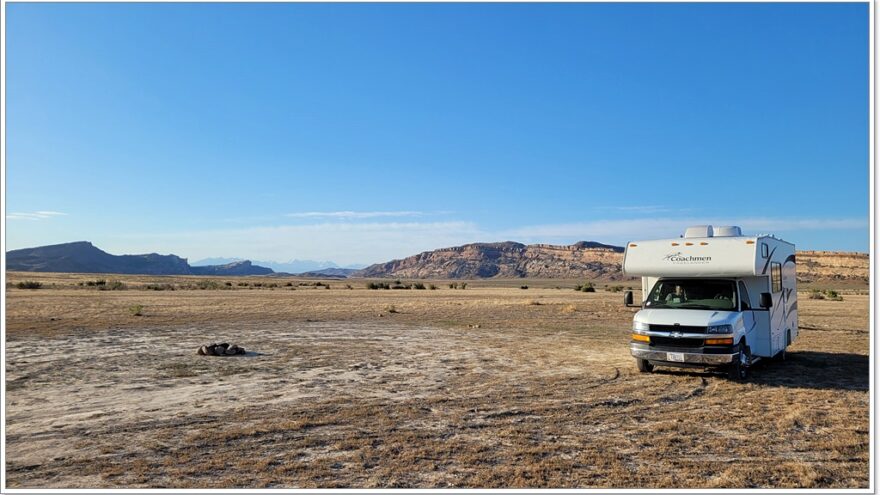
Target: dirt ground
(492, 386)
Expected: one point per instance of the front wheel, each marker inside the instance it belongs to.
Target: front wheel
(739, 369)
(644, 366)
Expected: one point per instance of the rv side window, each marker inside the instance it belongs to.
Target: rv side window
(776, 276)
(764, 250)
(744, 297)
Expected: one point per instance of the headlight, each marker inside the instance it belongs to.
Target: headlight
(639, 325)
(720, 329)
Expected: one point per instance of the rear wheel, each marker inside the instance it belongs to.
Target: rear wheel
(739, 369)
(644, 366)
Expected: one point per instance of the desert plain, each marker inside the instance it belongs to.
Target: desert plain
(493, 386)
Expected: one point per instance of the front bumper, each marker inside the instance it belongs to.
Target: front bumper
(690, 358)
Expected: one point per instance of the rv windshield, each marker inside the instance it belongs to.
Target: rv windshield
(693, 293)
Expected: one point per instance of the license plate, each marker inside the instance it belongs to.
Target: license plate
(675, 357)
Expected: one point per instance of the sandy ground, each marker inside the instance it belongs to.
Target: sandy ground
(359, 388)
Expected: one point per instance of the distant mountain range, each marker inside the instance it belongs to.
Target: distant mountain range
(292, 266)
(330, 273)
(83, 257)
(589, 260)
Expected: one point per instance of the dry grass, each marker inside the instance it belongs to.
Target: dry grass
(340, 394)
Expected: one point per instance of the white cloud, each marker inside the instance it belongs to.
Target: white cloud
(36, 215)
(350, 215)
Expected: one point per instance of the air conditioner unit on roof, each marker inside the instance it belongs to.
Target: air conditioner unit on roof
(698, 231)
(728, 231)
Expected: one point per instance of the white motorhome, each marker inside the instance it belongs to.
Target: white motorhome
(712, 297)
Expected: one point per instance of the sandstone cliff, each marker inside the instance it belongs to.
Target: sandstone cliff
(588, 260)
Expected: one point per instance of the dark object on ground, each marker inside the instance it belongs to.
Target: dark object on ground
(223, 349)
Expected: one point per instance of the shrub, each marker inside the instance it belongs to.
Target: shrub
(136, 310)
(289, 284)
(816, 294)
(207, 285)
(418, 286)
(245, 284)
(463, 286)
(432, 287)
(586, 287)
(614, 288)
(159, 287)
(29, 284)
(833, 295)
(524, 287)
(112, 285)
(348, 286)
(228, 284)
(391, 309)
(453, 286)
(378, 285)
(398, 286)
(397, 282)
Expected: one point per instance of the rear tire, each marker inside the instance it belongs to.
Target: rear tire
(739, 369)
(644, 366)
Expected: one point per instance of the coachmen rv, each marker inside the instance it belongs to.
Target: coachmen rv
(712, 298)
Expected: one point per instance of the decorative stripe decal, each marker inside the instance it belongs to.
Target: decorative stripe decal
(793, 306)
(769, 257)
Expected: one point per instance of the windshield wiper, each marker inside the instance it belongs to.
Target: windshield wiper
(695, 306)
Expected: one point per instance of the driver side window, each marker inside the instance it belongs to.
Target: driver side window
(744, 296)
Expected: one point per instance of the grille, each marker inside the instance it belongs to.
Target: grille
(673, 342)
(677, 328)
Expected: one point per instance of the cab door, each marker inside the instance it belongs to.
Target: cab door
(748, 316)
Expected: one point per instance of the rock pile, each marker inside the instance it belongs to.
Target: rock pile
(223, 349)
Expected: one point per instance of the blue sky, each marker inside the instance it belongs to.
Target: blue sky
(359, 133)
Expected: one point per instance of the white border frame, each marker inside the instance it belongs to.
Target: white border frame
(872, 272)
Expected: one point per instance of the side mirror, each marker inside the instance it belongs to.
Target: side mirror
(628, 298)
(766, 300)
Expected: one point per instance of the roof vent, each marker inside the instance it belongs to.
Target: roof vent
(698, 231)
(728, 231)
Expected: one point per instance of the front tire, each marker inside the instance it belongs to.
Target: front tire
(644, 366)
(739, 369)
